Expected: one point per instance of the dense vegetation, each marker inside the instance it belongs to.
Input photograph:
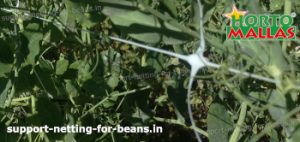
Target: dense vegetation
(58, 66)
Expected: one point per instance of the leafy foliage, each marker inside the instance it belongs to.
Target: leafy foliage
(58, 66)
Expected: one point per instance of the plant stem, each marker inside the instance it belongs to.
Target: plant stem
(236, 133)
(285, 44)
(97, 61)
(21, 99)
(33, 108)
(287, 11)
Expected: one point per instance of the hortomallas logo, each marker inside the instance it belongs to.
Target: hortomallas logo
(252, 26)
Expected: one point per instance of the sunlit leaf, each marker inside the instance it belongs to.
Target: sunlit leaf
(219, 123)
(61, 66)
(33, 41)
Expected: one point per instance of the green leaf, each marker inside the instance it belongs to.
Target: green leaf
(279, 107)
(155, 60)
(143, 23)
(269, 53)
(67, 18)
(4, 68)
(71, 88)
(276, 5)
(76, 65)
(70, 136)
(274, 136)
(173, 38)
(33, 38)
(113, 81)
(84, 72)
(5, 85)
(171, 5)
(296, 133)
(61, 66)
(46, 65)
(44, 79)
(111, 101)
(142, 26)
(75, 10)
(219, 123)
(259, 96)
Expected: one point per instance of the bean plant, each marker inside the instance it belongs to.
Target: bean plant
(143, 63)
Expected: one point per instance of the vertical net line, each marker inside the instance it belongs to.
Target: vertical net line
(195, 69)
